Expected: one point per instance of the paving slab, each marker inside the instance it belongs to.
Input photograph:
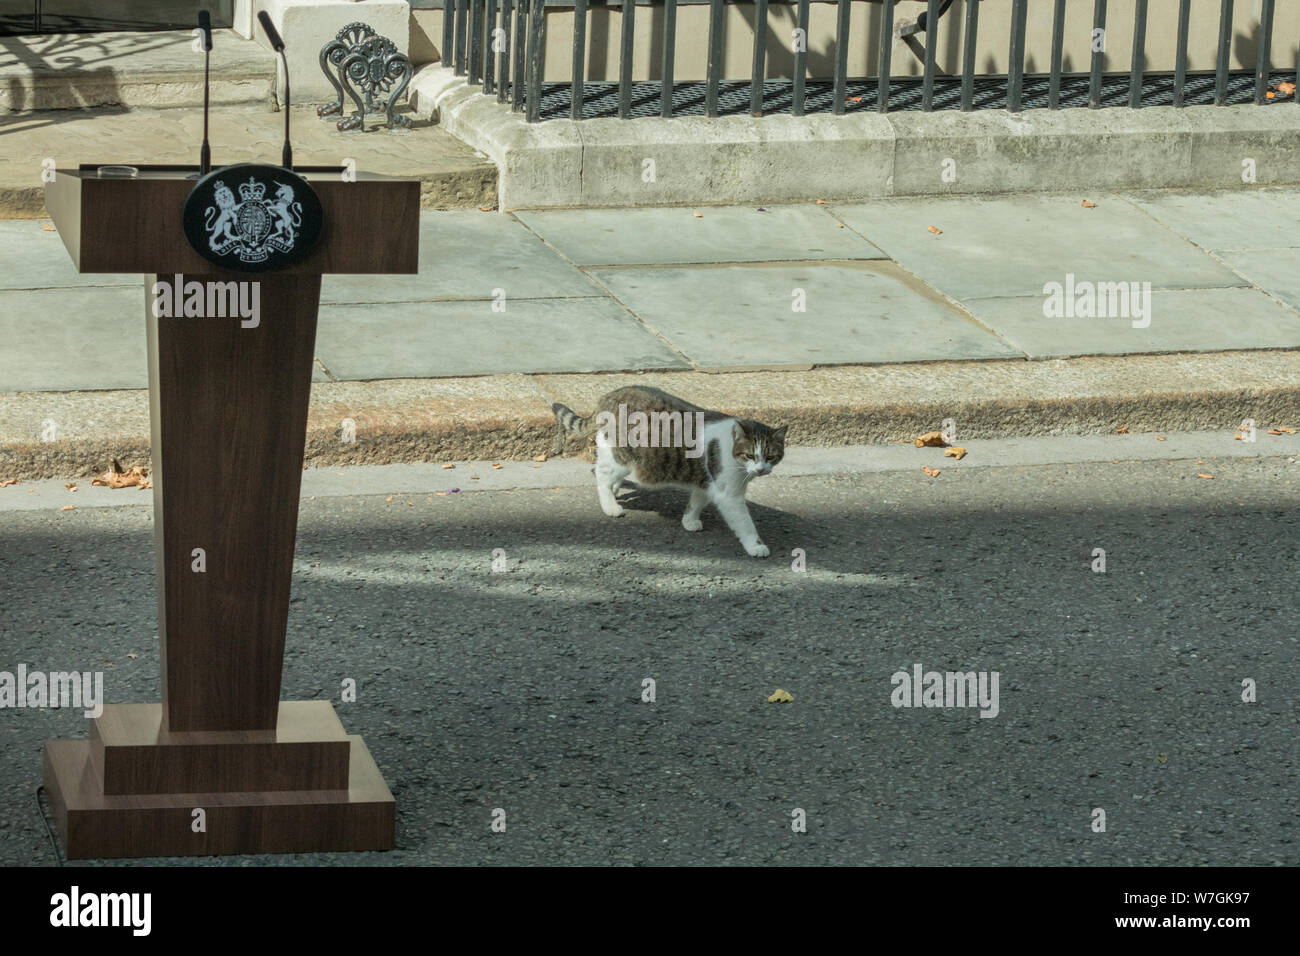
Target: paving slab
(71, 339)
(743, 316)
(1246, 218)
(661, 236)
(1013, 246)
(159, 69)
(467, 255)
(33, 257)
(451, 174)
(432, 339)
(1201, 320)
(1276, 271)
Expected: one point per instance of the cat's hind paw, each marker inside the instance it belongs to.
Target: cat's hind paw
(692, 524)
(758, 550)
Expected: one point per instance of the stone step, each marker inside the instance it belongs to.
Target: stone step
(132, 70)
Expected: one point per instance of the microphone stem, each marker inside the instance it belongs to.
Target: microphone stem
(205, 154)
(287, 155)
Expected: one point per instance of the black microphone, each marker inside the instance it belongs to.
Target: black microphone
(205, 151)
(286, 159)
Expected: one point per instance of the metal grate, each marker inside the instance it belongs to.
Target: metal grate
(734, 97)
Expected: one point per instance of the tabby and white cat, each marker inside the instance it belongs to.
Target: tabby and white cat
(712, 455)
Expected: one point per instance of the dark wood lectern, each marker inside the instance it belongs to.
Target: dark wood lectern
(228, 406)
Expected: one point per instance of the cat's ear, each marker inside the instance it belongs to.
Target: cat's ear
(737, 432)
(779, 434)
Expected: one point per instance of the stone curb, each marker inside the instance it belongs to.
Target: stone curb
(509, 417)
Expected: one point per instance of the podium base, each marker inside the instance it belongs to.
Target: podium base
(94, 824)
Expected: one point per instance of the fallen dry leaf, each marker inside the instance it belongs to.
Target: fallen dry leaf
(935, 229)
(1160, 438)
(441, 494)
(537, 466)
(72, 485)
(839, 225)
(484, 208)
(68, 508)
(852, 99)
(1286, 88)
(698, 214)
(1270, 95)
(958, 453)
(1201, 474)
(496, 466)
(1239, 437)
(47, 227)
(133, 656)
(541, 457)
(8, 481)
(930, 440)
(1284, 428)
(1274, 431)
(389, 498)
(1089, 205)
(410, 504)
(1122, 430)
(932, 472)
(780, 697)
(115, 477)
(821, 202)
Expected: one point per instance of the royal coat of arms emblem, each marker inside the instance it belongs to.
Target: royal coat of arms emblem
(252, 218)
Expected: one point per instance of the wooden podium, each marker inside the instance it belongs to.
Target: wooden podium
(228, 409)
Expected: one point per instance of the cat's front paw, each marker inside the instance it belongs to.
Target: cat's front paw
(759, 550)
(614, 511)
(692, 524)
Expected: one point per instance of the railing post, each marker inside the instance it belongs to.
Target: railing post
(759, 72)
(931, 41)
(1016, 56)
(579, 58)
(448, 33)
(1058, 44)
(475, 41)
(714, 68)
(627, 44)
(536, 22)
(461, 19)
(801, 57)
(1225, 52)
(489, 53)
(1263, 64)
(968, 57)
(503, 58)
(841, 54)
(1098, 56)
(1180, 57)
(518, 80)
(1137, 65)
(670, 49)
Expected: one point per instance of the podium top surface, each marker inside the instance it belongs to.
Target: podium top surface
(134, 223)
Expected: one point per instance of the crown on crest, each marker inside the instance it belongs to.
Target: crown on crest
(251, 190)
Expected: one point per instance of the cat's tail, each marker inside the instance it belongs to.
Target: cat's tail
(567, 424)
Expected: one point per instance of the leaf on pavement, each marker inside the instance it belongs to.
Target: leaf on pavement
(936, 230)
(1201, 474)
(541, 457)
(958, 453)
(780, 697)
(8, 481)
(115, 477)
(68, 508)
(932, 472)
(72, 485)
(931, 440)
(445, 467)
(1089, 205)
(1122, 430)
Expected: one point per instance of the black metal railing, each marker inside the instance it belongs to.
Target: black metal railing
(499, 44)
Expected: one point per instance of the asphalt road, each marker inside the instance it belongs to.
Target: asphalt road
(522, 690)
